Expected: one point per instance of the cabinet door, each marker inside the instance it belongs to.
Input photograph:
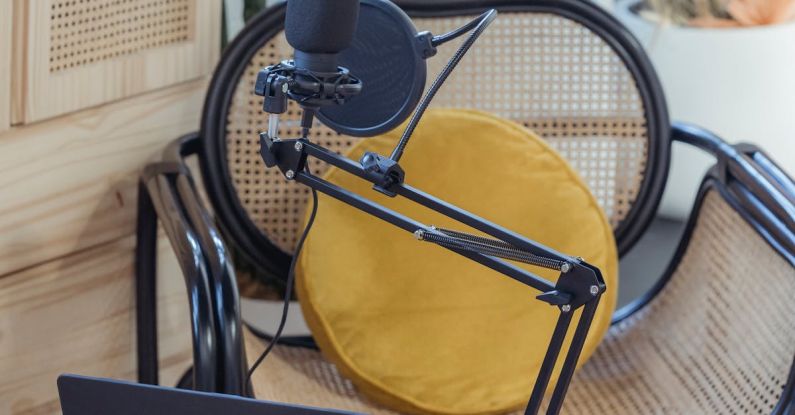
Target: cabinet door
(81, 53)
(5, 64)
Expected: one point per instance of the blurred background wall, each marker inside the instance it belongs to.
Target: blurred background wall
(736, 81)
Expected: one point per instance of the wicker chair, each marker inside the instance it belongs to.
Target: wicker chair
(716, 335)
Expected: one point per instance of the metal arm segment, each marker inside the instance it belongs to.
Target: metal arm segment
(410, 225)
(431, 202)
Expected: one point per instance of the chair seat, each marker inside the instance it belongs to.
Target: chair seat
(700, 347)
(301, 376)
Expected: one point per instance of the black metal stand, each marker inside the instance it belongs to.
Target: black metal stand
(580, 284)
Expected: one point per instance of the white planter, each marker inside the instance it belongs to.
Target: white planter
(607, 4)
(739, 83)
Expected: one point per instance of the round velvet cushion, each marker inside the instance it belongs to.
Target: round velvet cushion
(421, 329)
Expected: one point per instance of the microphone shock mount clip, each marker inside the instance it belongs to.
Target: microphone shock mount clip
(311, 89)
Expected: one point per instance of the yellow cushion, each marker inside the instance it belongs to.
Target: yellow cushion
(421, 329)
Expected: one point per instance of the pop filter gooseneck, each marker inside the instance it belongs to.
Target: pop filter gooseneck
(477, 27)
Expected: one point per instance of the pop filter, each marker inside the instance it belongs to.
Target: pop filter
(388, 56)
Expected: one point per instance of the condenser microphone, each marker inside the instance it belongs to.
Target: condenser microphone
(365, 54)
(319, 30)
(358, 65)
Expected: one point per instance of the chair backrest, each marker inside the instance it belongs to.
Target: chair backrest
(563, 68)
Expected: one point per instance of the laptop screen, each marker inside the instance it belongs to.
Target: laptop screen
(82, 395)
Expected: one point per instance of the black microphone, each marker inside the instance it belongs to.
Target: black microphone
(319, 30)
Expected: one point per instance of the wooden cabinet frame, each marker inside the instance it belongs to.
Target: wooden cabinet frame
(136, 58)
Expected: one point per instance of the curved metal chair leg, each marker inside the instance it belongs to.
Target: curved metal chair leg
(168, 194)
(158, 200)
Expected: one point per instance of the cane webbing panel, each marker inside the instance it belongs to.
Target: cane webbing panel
(87, 31)
(551, 74)
(718, 339)
(301, 376)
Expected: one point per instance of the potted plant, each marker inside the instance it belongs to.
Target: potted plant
(728, 65)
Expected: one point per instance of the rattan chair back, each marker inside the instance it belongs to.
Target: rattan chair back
(564, 69)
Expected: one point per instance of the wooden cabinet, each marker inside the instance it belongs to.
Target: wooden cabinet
(76, 315)
(68, 194)
(76, 54)
(70, 183)
(90, 91)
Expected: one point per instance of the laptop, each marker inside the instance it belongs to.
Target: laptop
(81, 395)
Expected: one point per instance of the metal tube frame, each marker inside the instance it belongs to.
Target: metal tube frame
(167, 194)
(580, 287)
(155, 196)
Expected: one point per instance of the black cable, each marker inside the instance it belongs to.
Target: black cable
(304, 342)
(287, 294)
(479, 24)
(453, 34)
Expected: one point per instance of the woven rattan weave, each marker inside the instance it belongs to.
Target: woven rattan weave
(80, 30)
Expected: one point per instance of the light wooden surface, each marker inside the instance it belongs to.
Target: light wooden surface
(19, 53)
(70, 183)
(76, 315)
(130, 62)
(5, 64)
(68, 197)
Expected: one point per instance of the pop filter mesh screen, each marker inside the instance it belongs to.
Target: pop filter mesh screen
(383, 57)
(544, 71)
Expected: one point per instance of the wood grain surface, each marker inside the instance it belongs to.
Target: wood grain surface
(70, 183)
(5, 64)
(76, 315)
(128, 64)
